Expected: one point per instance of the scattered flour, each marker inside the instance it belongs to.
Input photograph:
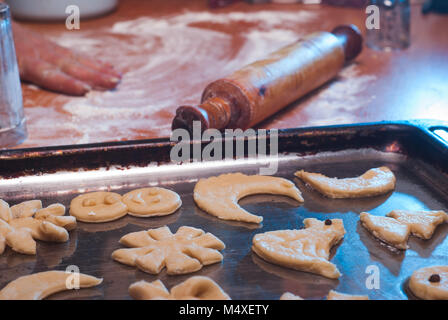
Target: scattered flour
(157, 52)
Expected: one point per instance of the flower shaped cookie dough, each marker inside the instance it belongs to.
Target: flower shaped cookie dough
(26, 222)
(305, 250)
(195, 288)
(184, 252)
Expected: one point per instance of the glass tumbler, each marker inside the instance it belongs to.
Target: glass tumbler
(394, 31)
(12, 120)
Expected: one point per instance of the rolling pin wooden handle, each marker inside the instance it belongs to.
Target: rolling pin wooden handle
(351, 38)
(231, 102)
(213, 113)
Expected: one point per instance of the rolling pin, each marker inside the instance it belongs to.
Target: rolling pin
(258, 90)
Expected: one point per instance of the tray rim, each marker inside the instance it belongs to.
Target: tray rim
(421, 125)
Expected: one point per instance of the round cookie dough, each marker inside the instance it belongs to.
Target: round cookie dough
(151, 202)
(430, 283)
(98, 207)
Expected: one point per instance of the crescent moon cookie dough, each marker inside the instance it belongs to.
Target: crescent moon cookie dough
(151, 202)
(98, 207)
(430, 283)
(194, 288)
(45, 224)
(399, 225)
(219, 195)
(373, 182)
(184, 252)
(40, 285)
(304, 250)
(333, 295)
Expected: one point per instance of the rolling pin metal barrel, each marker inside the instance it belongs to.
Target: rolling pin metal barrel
(257, 91)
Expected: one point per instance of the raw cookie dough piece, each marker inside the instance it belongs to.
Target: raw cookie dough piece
(48, 224)
(41, 230)
(55, 209)
(194, 288)
(421, 223)
(5, 211)
(290, 296)
(98, 207)
(430, 283)
(387, 229)
(5, 228)
(40, 285)
(26, 209)
(219, 195)
(333, 295)
(184, 252)
(305, 250)
(372, 183)
(2, 243)
(21, 241)
(151, 202)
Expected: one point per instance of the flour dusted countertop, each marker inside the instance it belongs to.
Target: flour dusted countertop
(169, 52)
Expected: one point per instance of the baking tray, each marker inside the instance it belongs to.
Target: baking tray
(417, 155)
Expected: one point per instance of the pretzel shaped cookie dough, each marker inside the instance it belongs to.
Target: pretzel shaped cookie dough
(98, 207)
(194, 288)
(26, 222)
(151, 202)
(184, 252)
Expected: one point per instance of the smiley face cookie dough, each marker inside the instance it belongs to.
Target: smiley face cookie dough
(430, 283)
(98, 207)
(151, 202)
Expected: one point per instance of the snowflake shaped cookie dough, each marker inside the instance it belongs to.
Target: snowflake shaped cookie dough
(305, 250)
(184, 252)
(194, 288)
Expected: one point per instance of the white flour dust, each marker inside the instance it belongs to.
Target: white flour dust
(154, 53)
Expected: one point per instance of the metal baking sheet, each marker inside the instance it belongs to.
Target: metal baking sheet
(242, 274)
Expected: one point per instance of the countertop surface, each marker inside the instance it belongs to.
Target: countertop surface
(169, 51)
